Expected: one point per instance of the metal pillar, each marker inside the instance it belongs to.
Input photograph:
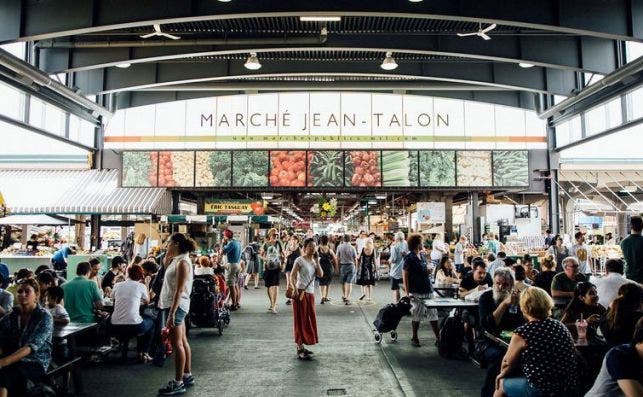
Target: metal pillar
(448, 218)
(475, 218)
(95, 237)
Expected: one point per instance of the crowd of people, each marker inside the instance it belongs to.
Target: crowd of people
(149, 298)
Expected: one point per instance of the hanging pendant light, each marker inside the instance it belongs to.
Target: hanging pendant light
(253, 62)
(389, 62)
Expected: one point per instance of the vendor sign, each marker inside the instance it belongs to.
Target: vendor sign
(431, 212)
(234, 207)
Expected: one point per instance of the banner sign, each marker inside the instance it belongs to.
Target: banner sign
(431, 212)
(233, 207)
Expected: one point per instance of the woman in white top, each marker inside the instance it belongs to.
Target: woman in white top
(175, 302)
(128, 297)
(303, 274)
(446, 274)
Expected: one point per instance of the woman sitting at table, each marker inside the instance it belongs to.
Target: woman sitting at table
(445, 273)
(584, 305)
(25, 341)
(530, 351)
(618, 325)
(128, 297)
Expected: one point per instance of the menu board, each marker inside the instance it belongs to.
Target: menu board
(288, 168)
(437, 168)
(474, 168)
(250, 168)
(510, 168)
(325, 168)
(213, 169)
(176, 169)
(140, 169)
(399, 168)
(362, 168)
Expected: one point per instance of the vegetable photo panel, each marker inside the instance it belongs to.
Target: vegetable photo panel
(213, 169)
(288, 168)
(362, 168)
(250, 168)
(399, 168)
(176, 169)
(140, 169)
(325, 168)
(474, 168)
(437, 168)
(511, 168)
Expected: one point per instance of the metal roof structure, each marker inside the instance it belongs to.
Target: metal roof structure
(559, 40)
(78, 192)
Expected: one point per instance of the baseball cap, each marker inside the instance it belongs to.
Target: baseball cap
(228, 233)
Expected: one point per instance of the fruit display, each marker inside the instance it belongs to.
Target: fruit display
(437, 168)
(250, 168)
(606, 251)
(362, 168)
(474, 168)
(213, 169)
(288, 168)
(510, 168)
(325, 168)
(176, 169)
(399, 168)
(139, 169)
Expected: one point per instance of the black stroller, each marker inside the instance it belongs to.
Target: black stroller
(206, 308)
(389, 317)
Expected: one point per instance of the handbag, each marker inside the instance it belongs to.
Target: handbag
(290, 291)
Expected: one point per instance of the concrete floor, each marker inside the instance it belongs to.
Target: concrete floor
(256, 356)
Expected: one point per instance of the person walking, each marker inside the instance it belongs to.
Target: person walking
(232, 250)
(271, 253)
(304, 271)
(293, 251)
(559, 251)
(366, 270)
(399, 249)
(347, 262)
(175, 301)
(251, 259)
(632, 247)
(328, 263)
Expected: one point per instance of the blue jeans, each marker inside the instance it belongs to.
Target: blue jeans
(519, 387)
(347, 273)
(179, 316)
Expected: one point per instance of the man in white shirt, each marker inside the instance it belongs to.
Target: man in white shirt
(581, 251)
(458, 254)
(607, 287)
(439, 249)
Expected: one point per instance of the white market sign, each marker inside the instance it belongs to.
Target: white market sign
(431, 212)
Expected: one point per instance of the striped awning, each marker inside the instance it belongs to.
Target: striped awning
(78, 192)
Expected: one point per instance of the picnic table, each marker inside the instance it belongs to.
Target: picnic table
(449, 303)
(70, 364)
(446, 290)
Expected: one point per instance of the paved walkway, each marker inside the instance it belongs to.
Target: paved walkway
(256, 356)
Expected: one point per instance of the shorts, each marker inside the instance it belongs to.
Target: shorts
(347, 274)
(232, 274)
(252, 267)
(271, 277)
(179, 316)
(396, 283)
(419, 309)
(14, 377)
(515, 387)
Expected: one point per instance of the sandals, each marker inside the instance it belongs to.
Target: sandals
(145, 358)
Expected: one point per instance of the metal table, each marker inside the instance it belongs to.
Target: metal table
(449, 303)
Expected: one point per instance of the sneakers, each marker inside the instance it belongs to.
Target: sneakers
(362, 297)
(188, 380)
(288, 302)
(173, 388)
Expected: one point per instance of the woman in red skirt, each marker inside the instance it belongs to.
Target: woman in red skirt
(304, 271)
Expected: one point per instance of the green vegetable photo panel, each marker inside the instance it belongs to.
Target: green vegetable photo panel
(474, 168)
(399, 168)
(325, 168)
(437, 168)
(213, 169)
(511, 168)
(140, 169)
(250, 168)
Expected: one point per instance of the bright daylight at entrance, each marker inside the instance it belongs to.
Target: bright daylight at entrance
(321, 198)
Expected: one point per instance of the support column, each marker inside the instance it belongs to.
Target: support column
(95, 237)
(448, 218)
(176, 198)
(80, 231)
(553, 199)
(475, 218)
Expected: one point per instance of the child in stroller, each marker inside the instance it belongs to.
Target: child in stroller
(207, 307)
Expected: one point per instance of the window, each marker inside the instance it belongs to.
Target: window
(633, 50)
(12, 102)
(635, 104)
(568, 131)
(18, 50)
(603, 117)
(46, 117)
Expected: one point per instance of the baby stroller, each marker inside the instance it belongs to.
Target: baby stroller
(389, 317)
(206, 304)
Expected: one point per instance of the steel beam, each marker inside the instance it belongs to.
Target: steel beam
(586, 54)
(44, 133)
(616, 19)
(503, 76)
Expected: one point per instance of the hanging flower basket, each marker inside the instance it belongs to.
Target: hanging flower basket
(324, 208)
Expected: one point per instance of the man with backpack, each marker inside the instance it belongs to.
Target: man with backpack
(232, 250)
(250, 259)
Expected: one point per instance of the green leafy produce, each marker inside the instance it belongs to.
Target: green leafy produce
(437, 168)
(510, 168)
(325, 168)
(399, 168)
(136, 169)
(250, 168)
(220, 163)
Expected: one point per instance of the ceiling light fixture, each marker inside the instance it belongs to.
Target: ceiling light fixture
(124, 65)
(389, 62)
(526, 65)
(319, 18)
(415, 1)
(253, 62)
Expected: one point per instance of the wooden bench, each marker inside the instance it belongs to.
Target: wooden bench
(64, 372)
